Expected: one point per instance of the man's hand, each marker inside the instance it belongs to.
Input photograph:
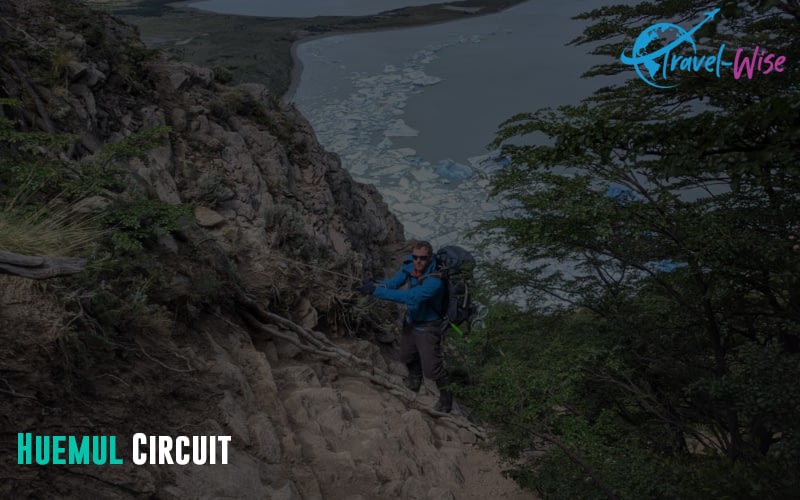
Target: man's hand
(367, 287)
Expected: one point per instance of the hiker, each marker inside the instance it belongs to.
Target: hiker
(423, 325)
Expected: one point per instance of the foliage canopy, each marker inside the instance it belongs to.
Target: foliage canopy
(658, 353)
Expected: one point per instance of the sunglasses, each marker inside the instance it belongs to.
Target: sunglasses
(420, 257)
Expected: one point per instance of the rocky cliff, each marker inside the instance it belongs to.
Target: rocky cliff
(244, 325)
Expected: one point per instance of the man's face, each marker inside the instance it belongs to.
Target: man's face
(421, 258)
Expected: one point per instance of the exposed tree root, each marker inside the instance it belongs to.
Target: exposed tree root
(316, 343)
(39, 268)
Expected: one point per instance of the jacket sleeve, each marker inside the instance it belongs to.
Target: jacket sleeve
(395, 281)
(429, 288)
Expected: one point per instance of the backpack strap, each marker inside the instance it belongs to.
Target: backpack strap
(437, 274)
(442, 275)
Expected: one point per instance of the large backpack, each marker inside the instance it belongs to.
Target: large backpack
(454, 265)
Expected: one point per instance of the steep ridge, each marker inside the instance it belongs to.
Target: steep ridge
(283, 225)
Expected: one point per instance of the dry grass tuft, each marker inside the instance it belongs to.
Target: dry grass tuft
(50, 230)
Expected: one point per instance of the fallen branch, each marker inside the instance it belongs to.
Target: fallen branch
(39, 268)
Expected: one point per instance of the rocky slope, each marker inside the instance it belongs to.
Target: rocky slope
(313, 405)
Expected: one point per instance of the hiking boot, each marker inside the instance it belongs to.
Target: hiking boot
(414, 379)
(412, 383)
(445, 403)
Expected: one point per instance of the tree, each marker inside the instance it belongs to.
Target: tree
(660, 359)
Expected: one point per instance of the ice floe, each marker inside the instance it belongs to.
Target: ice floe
(435, 198)
(451, 170)
(398, 128)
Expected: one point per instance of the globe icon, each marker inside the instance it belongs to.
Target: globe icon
(655, 58)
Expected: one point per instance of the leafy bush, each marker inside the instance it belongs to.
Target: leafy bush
(140, 221)
(222, 74)
(236, 101)
(289, 233)
(29, 159)
(212, 189)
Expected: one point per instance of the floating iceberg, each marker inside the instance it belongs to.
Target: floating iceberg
(452, 170)
(418, 78)
(398, 128)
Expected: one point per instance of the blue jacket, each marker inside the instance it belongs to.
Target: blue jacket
(424, 300)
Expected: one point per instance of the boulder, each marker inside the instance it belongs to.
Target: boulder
(207, 218)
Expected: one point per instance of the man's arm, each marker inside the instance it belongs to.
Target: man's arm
(429, 288)
(395, 281)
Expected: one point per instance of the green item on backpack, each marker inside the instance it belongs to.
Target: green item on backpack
(454, 266)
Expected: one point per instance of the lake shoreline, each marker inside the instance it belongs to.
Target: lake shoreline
(475, 9)
(263, 49)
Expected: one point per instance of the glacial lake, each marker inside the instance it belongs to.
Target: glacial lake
(412, 110)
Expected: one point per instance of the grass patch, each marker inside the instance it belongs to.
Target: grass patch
(48, 230)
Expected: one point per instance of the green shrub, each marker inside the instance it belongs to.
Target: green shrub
(212, 189)
(288, 228)
(222, 74)
(137, 222)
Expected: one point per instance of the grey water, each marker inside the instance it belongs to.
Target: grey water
(412, 110)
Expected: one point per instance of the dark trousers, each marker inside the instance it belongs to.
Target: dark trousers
(421, 350)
